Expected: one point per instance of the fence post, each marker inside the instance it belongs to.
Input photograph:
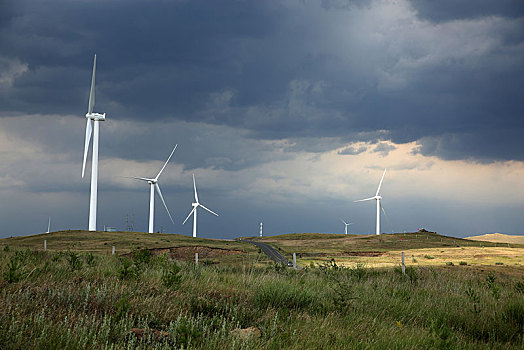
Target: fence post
(295, 260)
(196, 259)
(45, 245)
(113, 251)
(403, 263)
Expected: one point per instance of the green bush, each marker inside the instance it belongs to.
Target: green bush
(74, 261)
(463, 263)
(14, 271)
(171, 277)
(127, 269)
(429, 256)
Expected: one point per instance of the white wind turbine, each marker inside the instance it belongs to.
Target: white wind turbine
(95, 118)
(195, 207)
(49, 225)
(154, 185)
(346, 227)
(377, 197)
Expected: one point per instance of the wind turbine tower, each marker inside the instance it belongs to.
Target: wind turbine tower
(261, 231)
(195, 205)
(346, 226)
(378, 198)
(154, 186)
(92, 126)
(49, 225)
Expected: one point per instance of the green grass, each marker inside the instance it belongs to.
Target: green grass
(89, 302)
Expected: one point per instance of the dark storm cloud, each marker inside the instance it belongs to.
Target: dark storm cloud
(307, 71)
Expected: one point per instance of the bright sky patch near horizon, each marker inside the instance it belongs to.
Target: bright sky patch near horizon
(286, 111)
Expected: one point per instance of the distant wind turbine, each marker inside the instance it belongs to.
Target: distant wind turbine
(154, 185)
(93, 120)
(195, 205)
(49, 225)
(346, 226)
(377, 197)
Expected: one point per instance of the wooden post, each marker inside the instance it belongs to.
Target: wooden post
(45, 245)
(196, 259)
(113, 251)
(295, 260)
(403, 263)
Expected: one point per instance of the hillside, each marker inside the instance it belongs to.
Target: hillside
(499, 238)
(178, 246)
(316, 243)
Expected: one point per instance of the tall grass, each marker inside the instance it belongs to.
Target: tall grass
(87, 301)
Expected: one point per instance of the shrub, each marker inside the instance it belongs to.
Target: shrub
(141, 257)
(463, 263)
(499, 263)
(449, 263)
(14, 271)
(429, 257)
(6, 248)
(171, 277)
(122, 307)
(74, 261)
(127, 270)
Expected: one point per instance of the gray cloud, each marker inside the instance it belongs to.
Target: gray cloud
(383, 148)
(277, 70)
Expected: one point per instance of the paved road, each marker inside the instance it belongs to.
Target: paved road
(272, 253)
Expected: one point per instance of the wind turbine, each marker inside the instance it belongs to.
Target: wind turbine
(195, 205)
(93, 120)
(49, 225)
(154, 185)
(346, 227)
(377, 197)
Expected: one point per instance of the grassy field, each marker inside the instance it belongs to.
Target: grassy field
(421, 249)
(77, 295)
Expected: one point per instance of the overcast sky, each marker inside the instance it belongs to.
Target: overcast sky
(285, 111)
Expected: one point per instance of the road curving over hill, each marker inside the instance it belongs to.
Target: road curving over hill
(272, 253)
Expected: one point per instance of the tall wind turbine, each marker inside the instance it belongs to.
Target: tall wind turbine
(93, 120)
(195, 205)
(154, 185)
(346, 227)
(49, 225)
(377, 197)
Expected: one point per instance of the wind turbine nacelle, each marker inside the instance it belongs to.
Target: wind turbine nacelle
(96, 116)
(378, 197)
(194, 204)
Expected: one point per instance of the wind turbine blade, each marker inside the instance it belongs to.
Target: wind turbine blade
(167, 161)
(343, 221)
(380, 183)
(92, 92)
(163, 201)
(362, 200)
(381, 207)
(191, 212)
(137, 178)
(209, 210)
(194, 186)
(89, 128)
